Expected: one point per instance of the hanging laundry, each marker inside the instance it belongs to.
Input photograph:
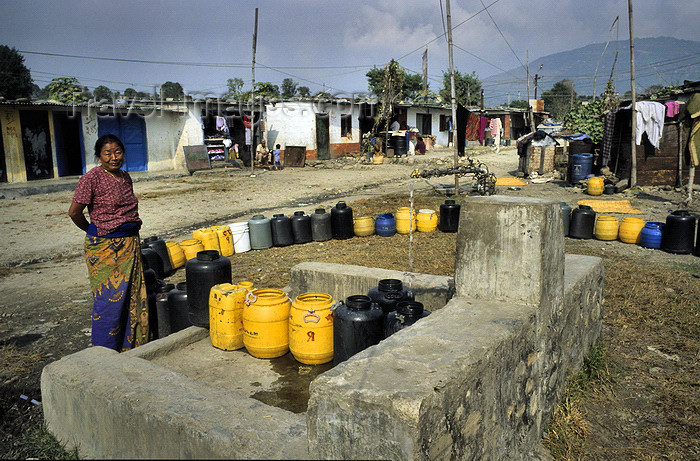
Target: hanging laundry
(495, 126)
(483, 123)
(608, 134)
(690, 124)
(472, 129)
(672, 108)
(650, 119)
(221, 125)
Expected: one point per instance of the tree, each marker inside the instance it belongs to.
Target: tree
(410, 88)
(289, 88)
(102, 92)
(653, 89)
(172, 90)
(38, 92)
(129, 93)
(235, 86)
(559, 99)
(66, 90)
(265, 90)
(467, 88)
(15, 78)
(323, 95)
(304, 91)
(518, 104)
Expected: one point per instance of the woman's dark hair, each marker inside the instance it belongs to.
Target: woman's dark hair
(107, 139)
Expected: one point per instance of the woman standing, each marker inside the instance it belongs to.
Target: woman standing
(112, 249)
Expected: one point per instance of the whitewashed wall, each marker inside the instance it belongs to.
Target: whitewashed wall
(293, 123)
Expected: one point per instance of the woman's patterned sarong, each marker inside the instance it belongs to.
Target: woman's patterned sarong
(120, 311)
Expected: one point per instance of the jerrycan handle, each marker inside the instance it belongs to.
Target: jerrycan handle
(250, 298)
(311, 315)
(336, 305)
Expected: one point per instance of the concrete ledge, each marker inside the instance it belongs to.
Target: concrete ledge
(111, 405)
(169, 344)
(341, 281)
(475, 380)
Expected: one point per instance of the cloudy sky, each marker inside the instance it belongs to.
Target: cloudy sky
(320, 44)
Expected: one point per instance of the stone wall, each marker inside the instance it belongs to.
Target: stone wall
(468, 382)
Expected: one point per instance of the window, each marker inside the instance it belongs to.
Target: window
(346, 125)
(424, 123)
(445, 122)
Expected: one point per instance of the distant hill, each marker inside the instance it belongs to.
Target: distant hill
(659, 60)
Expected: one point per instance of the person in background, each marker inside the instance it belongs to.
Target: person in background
(262, 154)
(112, 249)
(394, 126)
(420, 146)
(276, 154)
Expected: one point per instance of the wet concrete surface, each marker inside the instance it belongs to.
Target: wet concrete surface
(281, 382)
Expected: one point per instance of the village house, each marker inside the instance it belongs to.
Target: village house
(668, 163)
(48, 139)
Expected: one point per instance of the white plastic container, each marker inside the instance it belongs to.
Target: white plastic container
(241, 237)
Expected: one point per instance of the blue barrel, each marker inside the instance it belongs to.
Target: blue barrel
(651, 234)
(385, 225)
(580, 166)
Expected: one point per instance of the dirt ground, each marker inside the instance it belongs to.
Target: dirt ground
(649, 409)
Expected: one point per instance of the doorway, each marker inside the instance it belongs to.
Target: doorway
(70, 153)
(322, 137)
(3, 167)
(131, 129)
(36, 142)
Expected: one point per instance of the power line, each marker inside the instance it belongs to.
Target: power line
(453, 28)
(483, 60)
(499, 31)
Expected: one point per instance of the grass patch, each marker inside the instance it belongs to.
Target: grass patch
(566, 433)
(38, 443)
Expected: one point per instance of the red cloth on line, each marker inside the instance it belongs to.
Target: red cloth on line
(472, 129)
(483, 123)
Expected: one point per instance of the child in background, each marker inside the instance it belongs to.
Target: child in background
(276, 155)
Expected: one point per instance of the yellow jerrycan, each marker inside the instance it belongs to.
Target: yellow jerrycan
(177, 256)
(208, 238)
(191, 247)
(226, 303)
(225, 237)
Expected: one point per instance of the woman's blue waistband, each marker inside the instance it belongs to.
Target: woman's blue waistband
(127, 229)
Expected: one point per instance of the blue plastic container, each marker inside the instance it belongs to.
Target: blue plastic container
(581, 165)
(651, 234)
(385, 225)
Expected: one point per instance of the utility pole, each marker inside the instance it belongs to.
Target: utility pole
(252, 103)
(529, 107)
(425, 74)
(633, 168)
(537, 77)
(452, 92)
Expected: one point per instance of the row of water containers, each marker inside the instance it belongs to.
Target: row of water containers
(676, 235)
(260, 232)
(313, 327)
